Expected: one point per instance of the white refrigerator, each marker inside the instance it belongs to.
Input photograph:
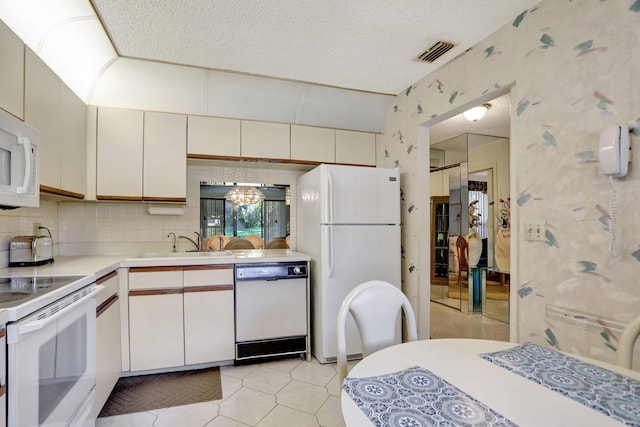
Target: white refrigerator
(348, 221)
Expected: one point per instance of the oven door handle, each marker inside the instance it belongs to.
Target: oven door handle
(36, 325)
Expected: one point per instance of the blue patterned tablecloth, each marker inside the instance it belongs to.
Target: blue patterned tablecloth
(601, 389)
(416, 397)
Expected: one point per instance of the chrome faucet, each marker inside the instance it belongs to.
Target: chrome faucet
(174, 240)
(221, 240)
(196, 244)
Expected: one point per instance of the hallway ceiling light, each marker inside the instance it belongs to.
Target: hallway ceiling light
(244, 195)
(476, 113)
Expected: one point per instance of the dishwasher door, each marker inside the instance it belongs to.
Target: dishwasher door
(272, 310)
(268, 309)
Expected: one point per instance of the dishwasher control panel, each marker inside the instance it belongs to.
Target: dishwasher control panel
(271, 271)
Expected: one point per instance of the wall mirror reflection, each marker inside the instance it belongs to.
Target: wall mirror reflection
(469, 177)
(244, 215)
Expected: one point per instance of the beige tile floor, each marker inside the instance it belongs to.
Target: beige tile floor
(290, 392)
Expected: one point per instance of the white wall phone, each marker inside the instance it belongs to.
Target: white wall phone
(613, 158)
(613, 151)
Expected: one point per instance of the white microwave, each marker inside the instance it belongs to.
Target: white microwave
(19, 163)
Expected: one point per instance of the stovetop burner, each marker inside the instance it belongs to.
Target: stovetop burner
(19, 289)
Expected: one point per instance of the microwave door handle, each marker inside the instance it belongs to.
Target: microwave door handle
(36, 325)
(26, 144)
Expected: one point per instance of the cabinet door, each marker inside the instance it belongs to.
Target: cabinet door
(156, 331)
(119, 154)
(313, 144)
(213, 136)
(41, 105)
(264, 140)
(60, 116)
(208, 325)
(108, 354)
(355, 148)
(11, 72)
(73, 160)
(209, 334)
(165, 157)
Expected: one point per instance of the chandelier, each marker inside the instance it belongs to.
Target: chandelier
(244, 195)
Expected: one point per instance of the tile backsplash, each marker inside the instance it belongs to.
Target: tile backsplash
(94, 228)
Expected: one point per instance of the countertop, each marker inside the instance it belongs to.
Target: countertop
(98, 266)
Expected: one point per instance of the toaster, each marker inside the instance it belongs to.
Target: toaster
(30, 251)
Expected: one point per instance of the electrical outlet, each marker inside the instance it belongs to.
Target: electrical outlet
(36, 228)
(535, 231)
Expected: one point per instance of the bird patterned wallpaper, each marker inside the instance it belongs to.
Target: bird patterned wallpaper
(573, 69)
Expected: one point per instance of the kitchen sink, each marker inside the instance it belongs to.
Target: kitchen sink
(189, 254)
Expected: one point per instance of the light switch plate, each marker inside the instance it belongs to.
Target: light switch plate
(535, 231)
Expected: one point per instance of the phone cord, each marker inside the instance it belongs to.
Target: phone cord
(613, 217)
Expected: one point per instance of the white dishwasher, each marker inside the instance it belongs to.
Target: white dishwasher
(272, 310)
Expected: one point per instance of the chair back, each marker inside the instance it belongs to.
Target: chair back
(462, 246)
(239, 243)
(255, 240)
(375, 306)
(217, 242)
(277, 243)
(626, 343)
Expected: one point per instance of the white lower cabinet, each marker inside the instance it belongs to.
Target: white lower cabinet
(208, 314)
(108, 349)
(3, 376)
(155, 331)
(180, 316)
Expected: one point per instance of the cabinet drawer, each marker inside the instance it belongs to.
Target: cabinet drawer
(155, 278)
(111, 285)
(208, 275)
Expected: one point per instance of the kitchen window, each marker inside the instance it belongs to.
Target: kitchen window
(268, 219)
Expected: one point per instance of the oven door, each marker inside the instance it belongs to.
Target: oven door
(51, 360)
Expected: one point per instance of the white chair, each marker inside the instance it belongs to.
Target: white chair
(375, 307)
(626, 343)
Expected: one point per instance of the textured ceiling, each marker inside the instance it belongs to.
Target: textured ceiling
(367, 45)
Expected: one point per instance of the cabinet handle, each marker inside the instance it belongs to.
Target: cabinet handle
(26, 143)
(146, 292)
(105, 305)
(104, 278)
(210, 288)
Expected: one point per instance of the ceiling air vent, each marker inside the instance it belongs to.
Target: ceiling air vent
(436, 50)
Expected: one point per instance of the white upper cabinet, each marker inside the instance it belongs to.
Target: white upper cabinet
(119, 154)
(165, 157)
(141, 156)
(313, 144)
(11, 72)
(73, 162)
(265, 140)
(60, 116)
(213, 137)
(356, 148)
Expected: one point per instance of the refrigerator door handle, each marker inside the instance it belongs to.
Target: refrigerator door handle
(330, 251)
(329, 200)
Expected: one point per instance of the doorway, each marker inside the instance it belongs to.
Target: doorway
(487, 183)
